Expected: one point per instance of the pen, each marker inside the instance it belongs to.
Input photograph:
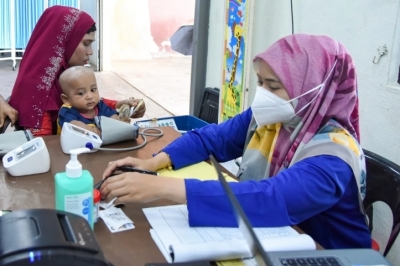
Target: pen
(131, 169)
(98, 185)
(124, 169)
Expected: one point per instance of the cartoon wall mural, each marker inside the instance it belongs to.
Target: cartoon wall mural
(235, 42)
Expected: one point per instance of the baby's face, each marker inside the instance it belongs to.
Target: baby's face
(83, 94)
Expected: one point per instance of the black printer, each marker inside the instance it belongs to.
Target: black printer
(48, 237)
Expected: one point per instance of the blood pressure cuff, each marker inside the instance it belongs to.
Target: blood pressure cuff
(14, 139)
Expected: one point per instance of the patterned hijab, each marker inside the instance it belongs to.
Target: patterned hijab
(52, 43)
(303, 62)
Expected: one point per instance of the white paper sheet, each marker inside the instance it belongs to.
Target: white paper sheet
(174, 237)
(116, 220)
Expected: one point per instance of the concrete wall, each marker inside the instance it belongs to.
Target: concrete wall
(134, 29)
(126, 31)
(90, 7)
(215, 44)
(361, 25)
(167, 16)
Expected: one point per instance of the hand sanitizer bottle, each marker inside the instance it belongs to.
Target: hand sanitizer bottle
(74, 188)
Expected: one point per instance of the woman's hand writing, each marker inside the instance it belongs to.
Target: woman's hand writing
(136, 187)
(129, 161)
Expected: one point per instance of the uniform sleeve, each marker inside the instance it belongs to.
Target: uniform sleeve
(67, 114)
(105, 110)
(224, 141)
(309, 187)
(110, 103)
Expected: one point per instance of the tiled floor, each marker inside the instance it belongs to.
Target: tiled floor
(164, 79)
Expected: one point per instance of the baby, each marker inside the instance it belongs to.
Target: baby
(81, 100)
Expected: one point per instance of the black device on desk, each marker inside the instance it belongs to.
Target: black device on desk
(48, 237)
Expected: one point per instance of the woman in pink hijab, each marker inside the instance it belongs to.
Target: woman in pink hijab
(301, 159)
(62, 38)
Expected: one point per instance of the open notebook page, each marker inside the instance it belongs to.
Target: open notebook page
(179, 242)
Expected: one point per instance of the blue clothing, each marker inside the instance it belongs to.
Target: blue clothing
(319, 194)
(68, 113)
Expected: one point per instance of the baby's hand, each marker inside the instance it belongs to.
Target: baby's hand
(124, 111)
(125, 119)
(140, 108)
(96, 130)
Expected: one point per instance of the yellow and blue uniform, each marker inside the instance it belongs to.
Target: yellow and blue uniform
(319, 194)
(68, 113)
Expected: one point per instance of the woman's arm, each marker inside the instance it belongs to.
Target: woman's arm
(225, 141)
(91, 128)
(304, 190)
(136, 187)
(309, 187)
(7, 111)
(122, 119)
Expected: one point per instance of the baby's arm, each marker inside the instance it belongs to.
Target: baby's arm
(107, 111)
(123, 119)
(91, 128)
(72, 116)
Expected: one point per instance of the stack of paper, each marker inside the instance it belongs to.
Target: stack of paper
(179, 242)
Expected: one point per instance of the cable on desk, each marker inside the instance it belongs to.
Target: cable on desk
(143, 134)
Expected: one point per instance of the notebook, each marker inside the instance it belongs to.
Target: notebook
(202, 171)
(179, 242)
(337, 257)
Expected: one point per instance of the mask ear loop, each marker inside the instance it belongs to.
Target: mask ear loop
(320, 87)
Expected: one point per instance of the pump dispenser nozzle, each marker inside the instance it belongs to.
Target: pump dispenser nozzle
(73, 168)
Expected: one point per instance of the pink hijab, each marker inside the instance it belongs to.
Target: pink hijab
(303, 62)
(52, 43)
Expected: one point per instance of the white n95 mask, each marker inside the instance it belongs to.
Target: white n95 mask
(270, 109)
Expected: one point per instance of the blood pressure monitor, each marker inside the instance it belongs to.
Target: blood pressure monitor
(28, 159)
(73, 137)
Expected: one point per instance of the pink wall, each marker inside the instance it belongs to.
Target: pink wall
(166, 16)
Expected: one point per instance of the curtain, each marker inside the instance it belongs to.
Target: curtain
(27, 13)
(72, 3)
(5, 42)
